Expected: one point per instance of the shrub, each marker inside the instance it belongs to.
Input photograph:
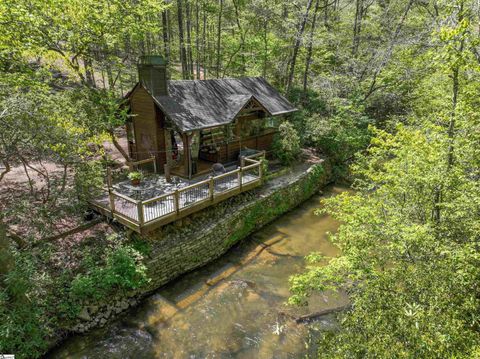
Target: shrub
(24, 321)
(341, 133)
(123, 269)
(286, 144)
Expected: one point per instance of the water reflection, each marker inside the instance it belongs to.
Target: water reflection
(232, 308)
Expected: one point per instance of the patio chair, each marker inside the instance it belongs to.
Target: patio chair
(218, 169)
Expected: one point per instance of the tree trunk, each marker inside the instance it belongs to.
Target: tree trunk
(197, 46)
(265, 47)
(119, 147)
(188, 13)
(389, 52)
(6, 170)
(219, 34)
(242, 36)
(90, 78)
(451, 125)
(357, 26)
(204, 44)
(183, 52)
(296, 47)
(166, 42)
(310, 49)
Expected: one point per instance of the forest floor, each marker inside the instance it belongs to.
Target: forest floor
(24, 212)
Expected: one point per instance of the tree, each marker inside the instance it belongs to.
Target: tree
(410, 273)
(296, 46)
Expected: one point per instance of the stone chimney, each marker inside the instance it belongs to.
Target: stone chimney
(152, 74)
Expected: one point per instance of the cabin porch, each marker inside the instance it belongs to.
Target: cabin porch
(157, 201)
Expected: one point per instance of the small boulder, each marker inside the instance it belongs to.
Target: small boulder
(84, 315)
(93, 309)
(124, 305)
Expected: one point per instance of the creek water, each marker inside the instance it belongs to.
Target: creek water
(234, 307)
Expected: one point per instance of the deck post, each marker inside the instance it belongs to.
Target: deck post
(154, 164)
(242, 161)
(110, 193)
(168, 154)
(240, 174)
(112, 199)
(140, 212)
(260, 168)
(109, 177)
(211, 188)
(176, 201)
(167, 172)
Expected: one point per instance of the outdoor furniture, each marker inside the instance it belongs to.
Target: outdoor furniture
(218, 169)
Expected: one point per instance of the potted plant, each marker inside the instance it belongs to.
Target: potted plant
(135, 177)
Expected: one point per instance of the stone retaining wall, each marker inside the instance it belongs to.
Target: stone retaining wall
(203, 237)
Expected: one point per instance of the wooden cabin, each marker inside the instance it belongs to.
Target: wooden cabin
(188, 125)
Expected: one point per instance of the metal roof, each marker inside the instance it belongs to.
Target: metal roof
(197, 104)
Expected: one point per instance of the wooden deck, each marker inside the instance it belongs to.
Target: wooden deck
(145, 215)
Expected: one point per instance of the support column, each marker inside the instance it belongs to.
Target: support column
(186, 152)
(168, 149)
(227, 149)
(240, 136)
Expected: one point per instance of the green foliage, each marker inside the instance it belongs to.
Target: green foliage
(410, 277)
(25, 322)
(280, 203)
(337, 127)
(63, 32)
(135, 175)
(342, 133)
(89, 179)
(122, 270)
(287, 144)
(264, 164)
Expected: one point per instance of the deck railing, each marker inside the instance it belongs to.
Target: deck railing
(174, 205)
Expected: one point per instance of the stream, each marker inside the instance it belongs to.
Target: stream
(232, 308)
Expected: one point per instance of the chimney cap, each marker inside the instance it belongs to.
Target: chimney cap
(152, 60)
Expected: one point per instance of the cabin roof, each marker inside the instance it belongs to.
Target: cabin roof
(198, 104)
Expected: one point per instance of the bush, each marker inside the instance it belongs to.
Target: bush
(24, 321)
(286, 144)
(340, 135)
(123, 269)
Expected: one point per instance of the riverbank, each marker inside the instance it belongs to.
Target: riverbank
(233, 307)
(181, 247)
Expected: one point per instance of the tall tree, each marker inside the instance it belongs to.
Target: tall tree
(308, 60)
(165, 34)
(197, 40)
(357, 26)
(183, 51)
(188, 13)
(296, 46)
(219, 35)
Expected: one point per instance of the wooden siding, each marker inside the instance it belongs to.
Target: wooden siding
(149, 122)
(144, 124)
(261, 142)
(161, 149)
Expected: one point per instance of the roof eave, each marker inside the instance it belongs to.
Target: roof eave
(284, 112)
(206, 127)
